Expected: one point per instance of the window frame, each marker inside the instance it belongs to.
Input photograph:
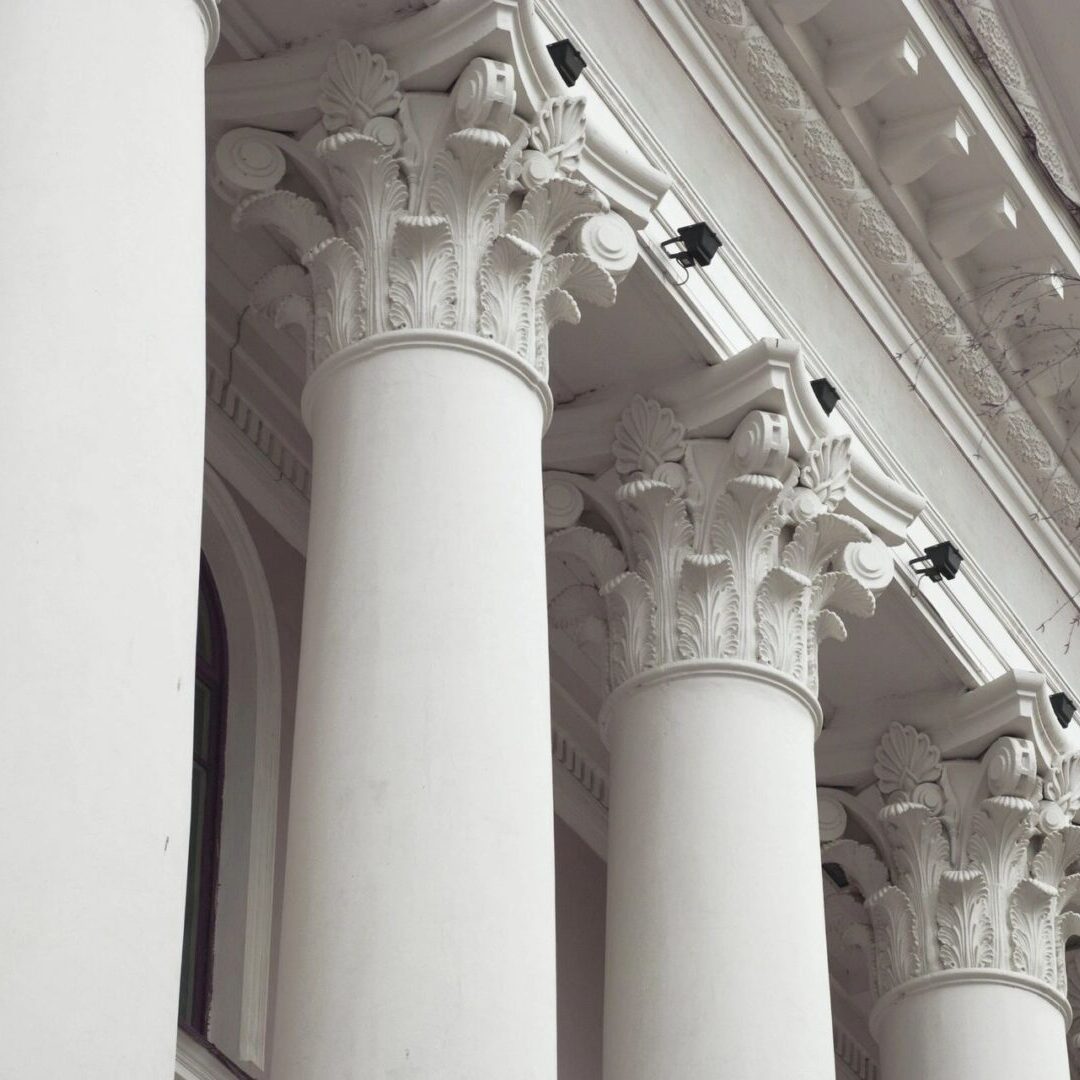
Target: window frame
(213, 672)
(249, 886)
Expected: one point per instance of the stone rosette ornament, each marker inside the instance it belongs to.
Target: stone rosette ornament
(438, 211)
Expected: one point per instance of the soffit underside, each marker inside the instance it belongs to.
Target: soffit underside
(264, 27)
(970, 228)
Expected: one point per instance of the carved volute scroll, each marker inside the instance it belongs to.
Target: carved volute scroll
(441, 211)
(958, 864)
(718, 548)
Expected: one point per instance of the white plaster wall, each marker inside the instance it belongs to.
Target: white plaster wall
(580, 899)
(650, 77)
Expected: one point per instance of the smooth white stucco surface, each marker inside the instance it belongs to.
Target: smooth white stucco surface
(952, 1029)
(715, 927)
(101, 286)
(418, 934)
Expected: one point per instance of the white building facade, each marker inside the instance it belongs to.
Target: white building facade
(570, 702)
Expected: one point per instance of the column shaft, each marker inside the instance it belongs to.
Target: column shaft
(716, 937)
(979, 1025)
(102, 377)
(418, 934)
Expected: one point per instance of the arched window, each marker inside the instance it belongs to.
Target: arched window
(207, 772)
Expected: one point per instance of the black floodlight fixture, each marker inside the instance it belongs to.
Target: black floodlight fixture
(569, 62)
(938, 561)
(698, 245)
(826, 394)
(839, 878)
(1064, 708)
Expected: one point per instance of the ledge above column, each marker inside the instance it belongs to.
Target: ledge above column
(711, 401)
(428, 51)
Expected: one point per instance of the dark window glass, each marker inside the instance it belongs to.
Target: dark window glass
(207, 767)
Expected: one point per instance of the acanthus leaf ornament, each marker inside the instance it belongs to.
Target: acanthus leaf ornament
(422, 272)
(720, 565)
(425, 215)
(976, 879)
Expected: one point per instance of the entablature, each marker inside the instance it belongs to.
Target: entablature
(428, 51)
(726, 310)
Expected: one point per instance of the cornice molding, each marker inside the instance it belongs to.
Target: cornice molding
(963, 725)
(989, 26)
(853, 1057)
(427, 51)
(747, 50)
(271, 473)
(573, 760)
(240, 411)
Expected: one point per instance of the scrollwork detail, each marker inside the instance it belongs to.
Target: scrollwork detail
(720, 567)
(426, 215)
(976, 880)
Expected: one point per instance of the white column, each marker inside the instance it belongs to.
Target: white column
(418, 934)
(968, 910)
(419, 921)
(102, 379)
(973, 1026)
(734, 557)
(715, 935)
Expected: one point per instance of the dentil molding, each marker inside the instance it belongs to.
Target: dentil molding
(747, 49)
(436, 211)
(958, 867)
(722, 548)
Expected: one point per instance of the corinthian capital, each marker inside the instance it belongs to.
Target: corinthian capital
(720, 548)
(419, 210)
(958, 865)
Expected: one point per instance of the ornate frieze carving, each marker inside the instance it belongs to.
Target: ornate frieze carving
(985, 20)
(715, 548)
(442, 211)
(737, 34)
(957, 864)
